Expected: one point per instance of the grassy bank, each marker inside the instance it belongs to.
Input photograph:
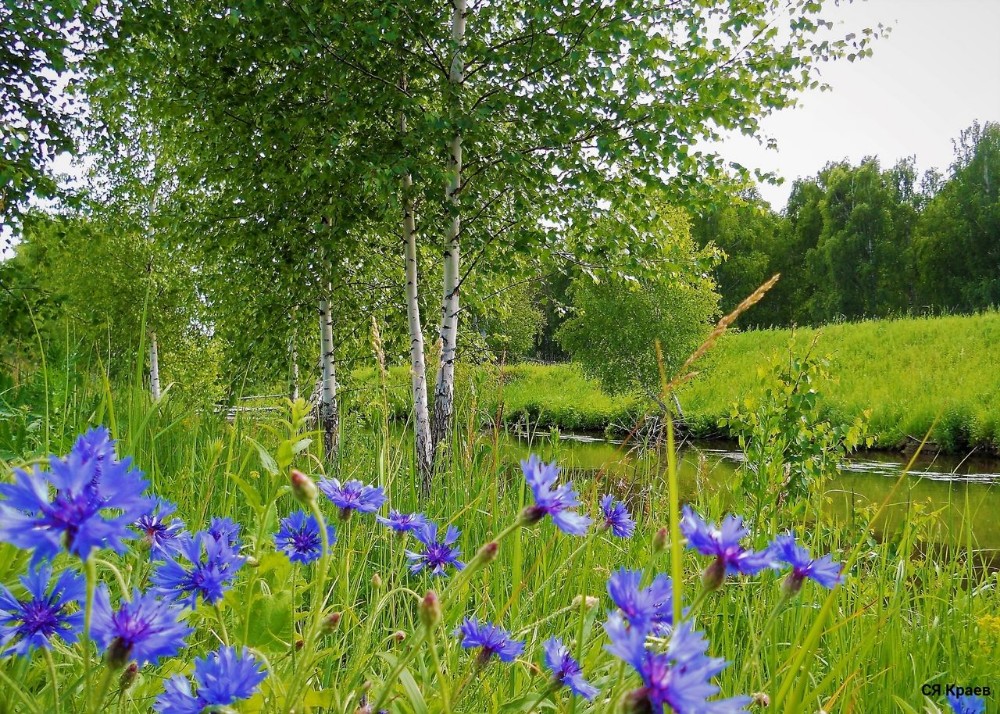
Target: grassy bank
(909, 373)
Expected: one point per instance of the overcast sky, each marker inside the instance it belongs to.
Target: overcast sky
(936, 72)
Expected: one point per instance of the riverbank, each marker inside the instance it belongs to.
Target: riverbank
(912, 374)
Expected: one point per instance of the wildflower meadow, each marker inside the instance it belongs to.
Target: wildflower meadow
(330, 598)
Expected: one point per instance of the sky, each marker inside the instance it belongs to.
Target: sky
(936, 72)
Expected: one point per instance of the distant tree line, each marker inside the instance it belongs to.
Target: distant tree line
(867, 241)
(853, 242)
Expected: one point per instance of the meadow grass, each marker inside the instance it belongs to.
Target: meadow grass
(911, 374)
(904, 617)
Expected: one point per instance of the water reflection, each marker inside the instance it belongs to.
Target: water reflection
(957, 499)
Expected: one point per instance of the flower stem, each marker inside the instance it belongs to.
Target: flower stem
(699, 600)
(94, 702)
(614, 699)
(50, 663)
(442, 683)
(673, 485)
(90, 568)
(317, 604)
(762, 635)
(579, 644)
(476, 668)
(222, 624)
(546, 693)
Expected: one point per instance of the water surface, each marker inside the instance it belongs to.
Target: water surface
(958, 499)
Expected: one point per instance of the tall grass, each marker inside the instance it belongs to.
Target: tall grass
(910, 373)
(903, 618)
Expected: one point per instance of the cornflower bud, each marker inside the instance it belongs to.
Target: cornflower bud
(791, 585)
(430, 609)
(299, 644)
(760, 699)
(714, 575)
(377, 581)
(660, 540)
(303, 487)
(252, 562)
(128, 677)
(399, 635)
(331, 621)
(486, 554)
(588, 601)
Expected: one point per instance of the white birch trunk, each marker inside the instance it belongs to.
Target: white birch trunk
(444, 388)
(326, 410)
(154, 348)
(418, 368)
(154, 367)
(293, 355)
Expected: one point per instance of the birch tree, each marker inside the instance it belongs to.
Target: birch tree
(494, 134)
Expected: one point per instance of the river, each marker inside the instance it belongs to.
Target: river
(958, 497)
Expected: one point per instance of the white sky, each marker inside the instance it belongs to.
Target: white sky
(936, 72)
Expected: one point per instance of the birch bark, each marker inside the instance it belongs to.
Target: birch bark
(154, 367)
(418, 367)
(327, 412)
(444, 388)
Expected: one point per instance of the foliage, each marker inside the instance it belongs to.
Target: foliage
(616, 323)
(94, 287)
(864, 241)
(956, 246)
(508, 323)
(38, 42)
(277, 135)
(910, 374)
(745, 229)
(790, 448)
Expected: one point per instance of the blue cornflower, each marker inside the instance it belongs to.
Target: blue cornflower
(677, 680)
(823, 570)
(144, 629)
(299, 537)
(225, 529)
(403, 522)
(437, 554)
(160, 529)
(85, 501)
(224, 677)
(649, 608)
(31, 623)
(212, 567)
(616, 517)
(353, 496)
(490, 639)
(967, 704)
(550, 500)
(566, 670)
(724, 544)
